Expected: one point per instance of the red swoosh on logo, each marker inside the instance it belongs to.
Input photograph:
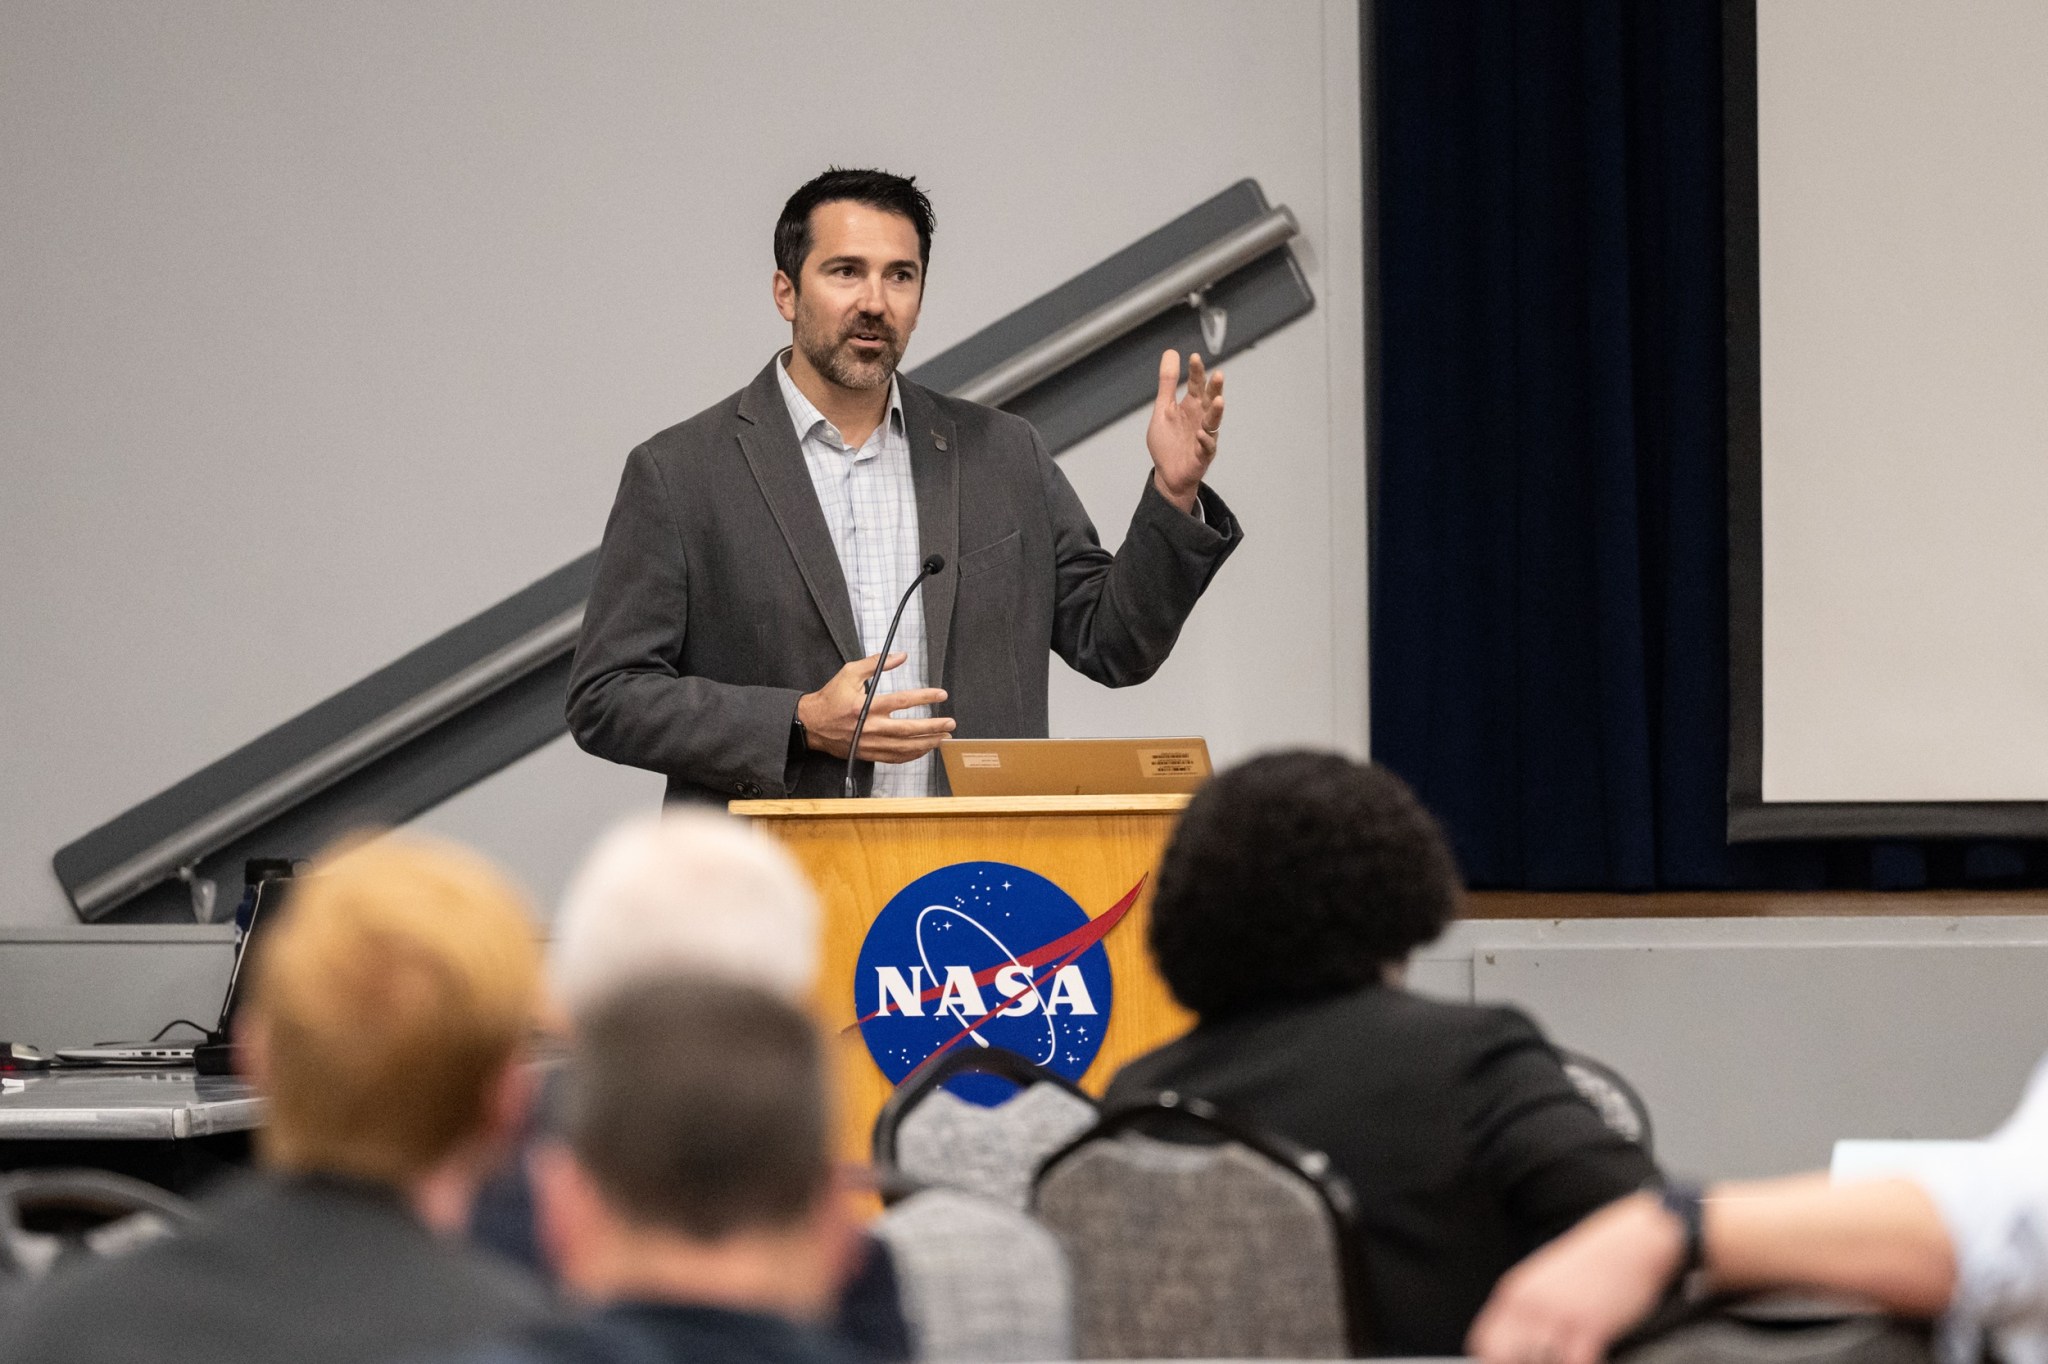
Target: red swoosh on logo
(1059, 952)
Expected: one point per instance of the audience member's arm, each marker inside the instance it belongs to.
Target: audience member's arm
(1883, 1240)
(1535, 1140)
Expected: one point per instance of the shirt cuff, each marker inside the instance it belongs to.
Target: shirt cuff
(1994, 1206)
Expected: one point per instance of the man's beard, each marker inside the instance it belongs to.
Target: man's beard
(830, 350)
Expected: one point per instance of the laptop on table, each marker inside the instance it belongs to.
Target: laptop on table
(269, 891)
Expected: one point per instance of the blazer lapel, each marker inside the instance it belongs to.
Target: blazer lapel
(768, 439)
(935, 469)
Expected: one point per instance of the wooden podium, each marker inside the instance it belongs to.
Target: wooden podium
(860, 853)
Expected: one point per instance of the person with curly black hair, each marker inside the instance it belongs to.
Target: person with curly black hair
(1291, 895)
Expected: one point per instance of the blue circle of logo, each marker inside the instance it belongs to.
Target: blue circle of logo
(982, 954)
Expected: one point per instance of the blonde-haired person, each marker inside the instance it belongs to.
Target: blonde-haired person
(385, 1023)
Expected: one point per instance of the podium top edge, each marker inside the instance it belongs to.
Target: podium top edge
(943, 807)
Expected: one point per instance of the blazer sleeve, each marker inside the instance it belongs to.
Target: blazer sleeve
(1116, 616)
(1535, 1139)
(629, 699)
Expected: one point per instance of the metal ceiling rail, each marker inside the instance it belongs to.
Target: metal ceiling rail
(1170, 288)
(177, 854)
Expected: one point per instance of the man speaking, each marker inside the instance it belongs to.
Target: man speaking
(757, 551)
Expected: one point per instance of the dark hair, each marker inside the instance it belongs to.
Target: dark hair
(1295, 876)
(699, 1105)
(879, 189)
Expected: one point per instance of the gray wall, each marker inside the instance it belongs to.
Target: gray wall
(325, 326)
(1757, 1043)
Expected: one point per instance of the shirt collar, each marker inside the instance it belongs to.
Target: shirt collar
(804, 414)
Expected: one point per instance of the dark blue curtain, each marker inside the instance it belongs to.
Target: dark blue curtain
(1549, 587)
(1549, 614)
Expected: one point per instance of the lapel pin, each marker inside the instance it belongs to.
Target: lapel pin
(938, 440)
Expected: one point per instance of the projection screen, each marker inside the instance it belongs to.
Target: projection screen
(1888, 285)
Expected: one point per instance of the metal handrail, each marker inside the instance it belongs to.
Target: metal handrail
(1131, 309)
(170, 856)
(178, 853)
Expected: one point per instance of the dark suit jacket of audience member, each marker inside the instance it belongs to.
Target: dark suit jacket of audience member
(868, 1321)
(1456, 1126)
(305, 1271)
(664, 1333)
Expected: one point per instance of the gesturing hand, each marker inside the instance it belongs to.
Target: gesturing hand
(1182, 434)
(829, 712)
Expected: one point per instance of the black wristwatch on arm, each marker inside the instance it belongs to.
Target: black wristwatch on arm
(1683, 1199)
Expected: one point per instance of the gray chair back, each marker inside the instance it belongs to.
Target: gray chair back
(49, 1218)
(1236, 1244)
(979, 1280)
(927, 1137)
(1776, 1328)
(1612, 1097)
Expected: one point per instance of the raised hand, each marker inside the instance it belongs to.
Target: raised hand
(829, 712)
(1182, 434)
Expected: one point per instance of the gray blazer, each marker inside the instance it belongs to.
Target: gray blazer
(719, 599)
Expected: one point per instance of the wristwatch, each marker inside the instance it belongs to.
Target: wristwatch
(799, 740)
(1682, 1199)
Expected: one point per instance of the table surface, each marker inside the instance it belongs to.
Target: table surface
(143, 1104)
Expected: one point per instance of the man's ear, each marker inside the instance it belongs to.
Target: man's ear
(785, 296)
(569, 1215)
(510, 1099)
(551, 1018)
(839, 1232)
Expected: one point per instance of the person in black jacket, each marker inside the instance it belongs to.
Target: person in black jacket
(1289, 899)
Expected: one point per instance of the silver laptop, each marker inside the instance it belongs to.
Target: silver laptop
(128, 1054)
(268, 892)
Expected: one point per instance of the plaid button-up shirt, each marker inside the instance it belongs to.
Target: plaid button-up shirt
(870, 507)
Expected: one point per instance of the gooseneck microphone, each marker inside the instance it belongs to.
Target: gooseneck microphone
(933, 563)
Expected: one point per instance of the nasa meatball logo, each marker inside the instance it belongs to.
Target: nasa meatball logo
(984, 954)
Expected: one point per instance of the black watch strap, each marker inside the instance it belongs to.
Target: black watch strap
(799, 740)
(1683, 1200)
